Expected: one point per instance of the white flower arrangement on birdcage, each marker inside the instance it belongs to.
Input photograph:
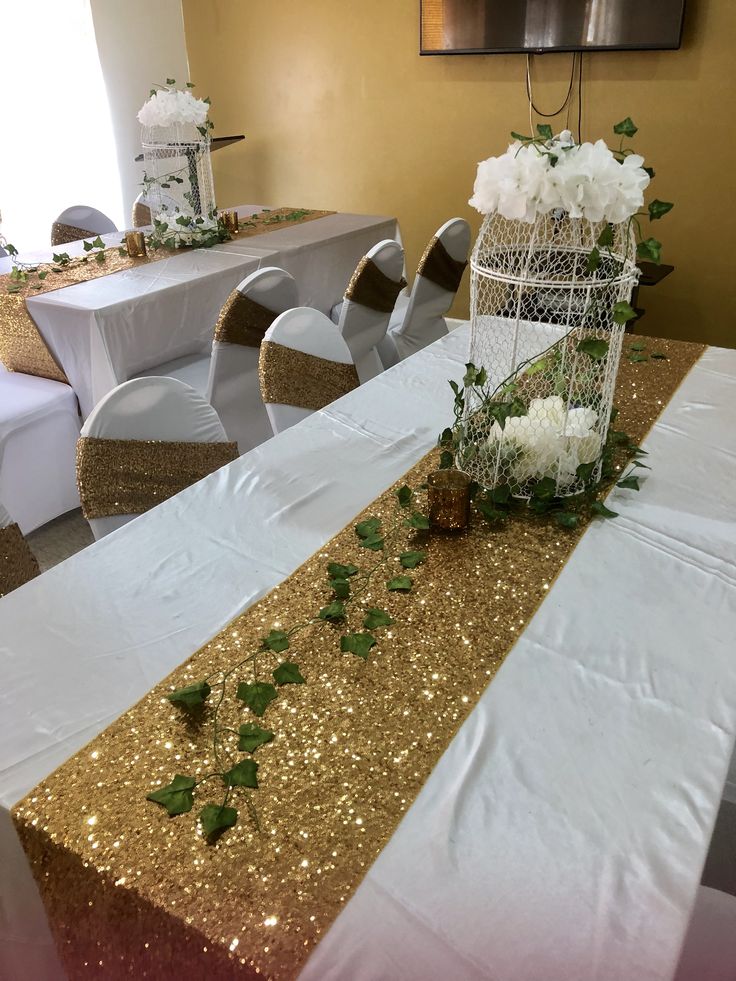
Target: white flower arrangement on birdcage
(552, 273)
(177, 183)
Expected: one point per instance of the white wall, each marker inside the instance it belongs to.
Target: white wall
(139, 42)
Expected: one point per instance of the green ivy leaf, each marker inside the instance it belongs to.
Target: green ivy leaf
(191, 695)
(595, 349)
(399, 584)
(657, 209)
(288, 673)
(87, 246)
(243, 774)
(446, 460)
(373, 542)
(545, 131)
(418, 521)
(629, 483)
(364, 529)
(650, 171)
(410, 560)
(650, 249)
(626, 127)
(501, 494)
(252, 736)
(171, 81)
(177, 797)
(584, 471)
(43, 274)
(488, 511)
(544, 489)
(277, 641)
(636, 357)
(359, 644)
(216, 818)
(334, 611)
(518, 136)
(599, 508)
(100, 257)
(375, 617)
(257, 696)
(606, 236)
(535, 367)
(566, 519)
(638, 346)
(658, 356)
(594, 260)
(404, 494)
(340, 587)
(337, 571)
(445, 437)
(98, 243)
(623, 312)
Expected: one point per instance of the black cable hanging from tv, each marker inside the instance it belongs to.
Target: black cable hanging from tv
(567, 100)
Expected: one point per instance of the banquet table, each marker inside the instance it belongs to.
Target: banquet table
(109, 329)
(562, 833)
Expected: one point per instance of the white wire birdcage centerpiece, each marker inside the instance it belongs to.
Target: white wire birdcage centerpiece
(552, 273)
(177, 182)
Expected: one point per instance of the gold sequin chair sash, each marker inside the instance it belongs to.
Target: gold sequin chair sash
(130, 476)
(290, 377)
(61, 234)
(372, 288)
(243, 321)
(17, 563)
(438, 266)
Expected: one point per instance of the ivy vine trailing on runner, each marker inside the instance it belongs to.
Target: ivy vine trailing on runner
(245, 681)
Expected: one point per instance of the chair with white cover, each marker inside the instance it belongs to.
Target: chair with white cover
(141, 212)
(229, 377)
(17, 562)
(419, 319)
(369, 302)
(709, 950)
(305, 365)
(39, 426)
(145, 441)
(80, 222)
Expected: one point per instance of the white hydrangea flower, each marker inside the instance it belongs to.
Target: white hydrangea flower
(172, 107)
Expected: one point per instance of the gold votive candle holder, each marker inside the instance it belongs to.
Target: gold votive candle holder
(448, 493)
(230, 220)
(135, 243)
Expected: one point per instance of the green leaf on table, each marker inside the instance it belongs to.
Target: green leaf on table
(276, 641)
(657, 209)
(257, 696)
(410, 560)
(404, 494)
(651, 249)
(288, 673)
(217, 818)
(399, 584)
(659, 356)
(626, 127)
(566, 519)
(364, 529)
(545, 131)
(177, 797)
(340, 587)
(623, 312)
(87, 246)
(584, 471)
(359, 644)
(100, 256)
(594, 260)
(636, 356)
(418, 521)
(243, 774)
(445, 437)
(376, 617)
(606, 236)
(489, 512)
(629, 483)
(639, 345)
(500, 494)
(191, 695)
(599, 508)
(373, 542)
(334, 611)
(544, 489)
(98, 243)
(446, 460)
(595, 349)
(337, 571)
(252, 736)
(535, 367)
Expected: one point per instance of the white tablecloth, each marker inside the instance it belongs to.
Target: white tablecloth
(562, 834)
(104, 331)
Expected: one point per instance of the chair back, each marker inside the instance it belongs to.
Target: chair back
(80, 222)
(304, 365)
(369, 303)
(17, 562)
(143, 442)
(233, 387)
(141, 213)
(438, 277)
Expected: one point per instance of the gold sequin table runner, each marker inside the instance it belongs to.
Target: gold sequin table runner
(132, 892)
(22, 348)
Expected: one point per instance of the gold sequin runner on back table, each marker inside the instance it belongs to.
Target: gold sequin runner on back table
(130, 891)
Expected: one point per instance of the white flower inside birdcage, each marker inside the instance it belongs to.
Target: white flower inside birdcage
(178, 184)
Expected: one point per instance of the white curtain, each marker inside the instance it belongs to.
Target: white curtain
(57, 145)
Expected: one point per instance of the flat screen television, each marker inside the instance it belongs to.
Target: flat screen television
(503, 26)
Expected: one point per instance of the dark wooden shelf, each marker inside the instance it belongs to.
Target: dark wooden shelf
(216, 143)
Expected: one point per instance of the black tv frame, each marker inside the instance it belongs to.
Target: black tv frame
(583, 48)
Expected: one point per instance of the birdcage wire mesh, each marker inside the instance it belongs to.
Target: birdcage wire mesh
(178, 184)
(542, 324)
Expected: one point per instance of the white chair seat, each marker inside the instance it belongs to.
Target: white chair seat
(39, 426)
(709, 951)
(193, 370)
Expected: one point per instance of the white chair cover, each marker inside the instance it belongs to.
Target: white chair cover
(88, 220)
(364, 328)
(151, 408)
(233, 387)
(311, 332)
(39, 426)
(709, 951)
(420, 319)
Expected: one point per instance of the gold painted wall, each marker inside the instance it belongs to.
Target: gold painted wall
(341, 112)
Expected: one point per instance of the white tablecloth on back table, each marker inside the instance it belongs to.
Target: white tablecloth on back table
(562, 834)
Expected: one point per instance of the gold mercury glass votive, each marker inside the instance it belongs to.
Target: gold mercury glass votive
(135, 242)
(230, 220)
(448, 492)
